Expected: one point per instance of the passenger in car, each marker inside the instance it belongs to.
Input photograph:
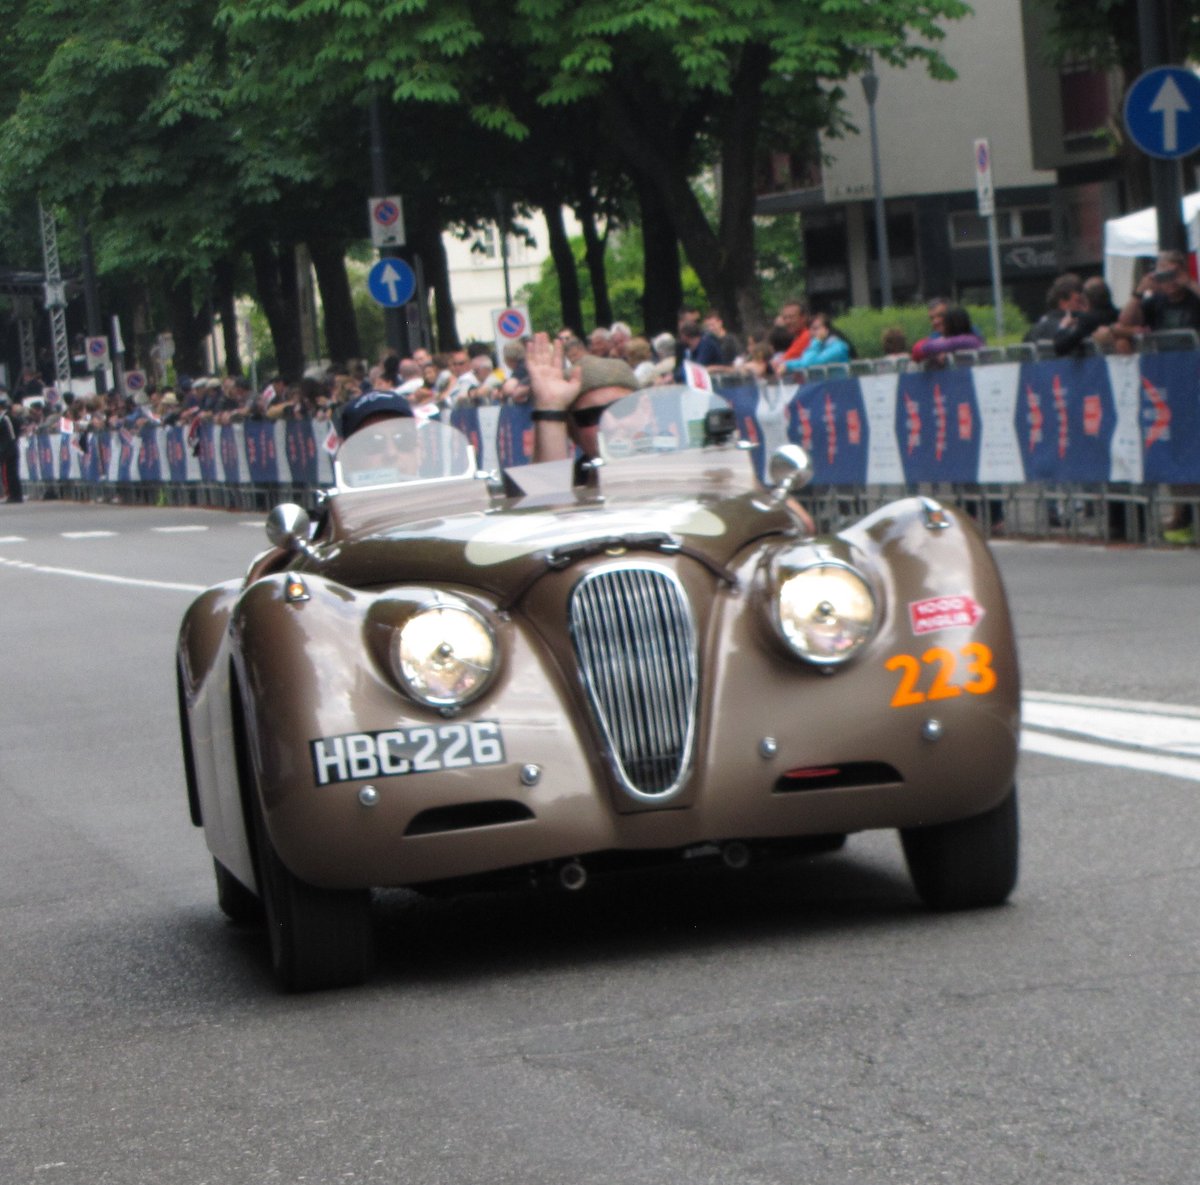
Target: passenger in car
(567, 406)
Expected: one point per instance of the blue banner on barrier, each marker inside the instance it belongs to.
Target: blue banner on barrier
(1065, 420)
(89, 460)
(206, 452)
(177, 465)
(466, 420)
(124, 455)
(1170, 417)
(46, 457)
(300, 444)
(514, 435)
(938, 426)
(829, 421)
(228, 447)
(1090, 420)
(149, 460)
(261, 461)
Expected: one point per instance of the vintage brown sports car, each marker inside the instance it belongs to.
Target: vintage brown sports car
(560, 669)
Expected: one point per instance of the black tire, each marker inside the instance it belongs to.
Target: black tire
(320, 938)
(967, 864)
(237, 902)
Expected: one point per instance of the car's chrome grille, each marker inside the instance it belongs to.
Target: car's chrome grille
(636, 645)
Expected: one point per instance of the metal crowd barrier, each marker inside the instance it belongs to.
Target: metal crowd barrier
(1093, 448)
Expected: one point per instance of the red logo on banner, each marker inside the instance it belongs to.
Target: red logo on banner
(806, 433)
(830, 428)
(939, 419)
(944, 613)
(1160, 429)
(1064, 424)
(854, 426)
(913, 415)
(966, 422)
(1036, 419)
(1093, 414)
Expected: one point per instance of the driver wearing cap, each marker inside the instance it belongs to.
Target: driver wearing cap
(364, 410)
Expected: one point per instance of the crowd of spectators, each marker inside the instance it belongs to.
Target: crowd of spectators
(432, 384)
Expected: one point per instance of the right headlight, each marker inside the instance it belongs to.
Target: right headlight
(444, 655)
(825, 612)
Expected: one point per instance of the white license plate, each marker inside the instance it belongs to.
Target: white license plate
(397, 752)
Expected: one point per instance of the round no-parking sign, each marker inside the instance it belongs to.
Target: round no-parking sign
(511, 324)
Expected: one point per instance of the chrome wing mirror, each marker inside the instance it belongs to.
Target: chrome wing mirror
(289, 527)
(788, 470)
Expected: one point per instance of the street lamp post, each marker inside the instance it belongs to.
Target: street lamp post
(870, 85)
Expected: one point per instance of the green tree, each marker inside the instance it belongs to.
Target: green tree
(672, 86)
(625, 270)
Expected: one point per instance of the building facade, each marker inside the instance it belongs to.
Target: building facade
(1054, 162)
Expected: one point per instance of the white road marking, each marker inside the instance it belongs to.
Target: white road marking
(42, 569)
(177, 530)
(1135, 734)
(88, 534)
(13, 539)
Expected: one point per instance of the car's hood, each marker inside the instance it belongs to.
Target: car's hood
(714, 509)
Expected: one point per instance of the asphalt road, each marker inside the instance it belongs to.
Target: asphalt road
(802, 1024)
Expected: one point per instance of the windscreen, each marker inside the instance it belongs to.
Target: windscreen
(400, 451)
(664, 420)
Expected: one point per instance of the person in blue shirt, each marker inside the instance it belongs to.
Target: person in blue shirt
(827, 346)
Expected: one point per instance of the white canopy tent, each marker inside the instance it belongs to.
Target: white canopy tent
(1135, 236)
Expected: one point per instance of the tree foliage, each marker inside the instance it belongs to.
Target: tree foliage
(192, 134)
(669, 86)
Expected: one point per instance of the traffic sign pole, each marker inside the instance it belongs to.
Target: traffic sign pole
(1155, 32)
(395, 328)
(985, 190)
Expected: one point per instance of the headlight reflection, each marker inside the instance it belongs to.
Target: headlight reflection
(826, 612)
(444, 655)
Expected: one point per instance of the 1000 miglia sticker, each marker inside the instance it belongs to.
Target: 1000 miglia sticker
(943, 672)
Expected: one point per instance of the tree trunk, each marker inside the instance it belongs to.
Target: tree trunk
(739, 143)
(185, 331)
(564, 264)
(424, 225)
(662, 286)
(724, 259)
(275, 279)
(341, 327)
(225, 298)
(593, 247)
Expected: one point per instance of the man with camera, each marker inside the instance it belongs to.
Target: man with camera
(1165, 299)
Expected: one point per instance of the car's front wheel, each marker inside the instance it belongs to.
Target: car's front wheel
(969, 863)
(237, 902)
(320, 938)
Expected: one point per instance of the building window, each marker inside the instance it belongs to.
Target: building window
(484, 249)
(1014, 224)
(1086, 104)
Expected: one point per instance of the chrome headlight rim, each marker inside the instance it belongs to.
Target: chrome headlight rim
(400, 664)
(785, 571)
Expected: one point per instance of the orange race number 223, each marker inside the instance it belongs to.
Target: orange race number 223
(943, 663)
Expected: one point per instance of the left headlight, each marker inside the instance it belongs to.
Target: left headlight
(826, 612)
(444, 655)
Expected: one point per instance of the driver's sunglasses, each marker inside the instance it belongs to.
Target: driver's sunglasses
(588, 417)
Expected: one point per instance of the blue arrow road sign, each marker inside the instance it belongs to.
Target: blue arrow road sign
(1162, 112)
(392, 283)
